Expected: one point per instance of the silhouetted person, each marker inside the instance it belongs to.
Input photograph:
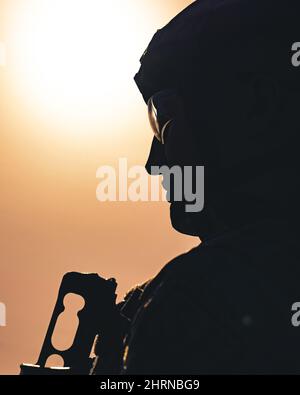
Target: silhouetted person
(221, 73)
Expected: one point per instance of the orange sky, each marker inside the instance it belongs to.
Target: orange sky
(52, 143)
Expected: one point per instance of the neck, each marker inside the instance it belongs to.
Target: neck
(269, 196)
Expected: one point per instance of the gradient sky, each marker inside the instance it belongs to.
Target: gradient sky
(68, 104)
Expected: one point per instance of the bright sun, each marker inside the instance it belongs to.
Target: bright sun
(73, 59)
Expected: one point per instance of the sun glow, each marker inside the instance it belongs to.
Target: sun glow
(72, 59)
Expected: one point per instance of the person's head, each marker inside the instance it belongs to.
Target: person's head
(220, 78)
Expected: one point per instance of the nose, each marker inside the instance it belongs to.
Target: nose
(156, 157)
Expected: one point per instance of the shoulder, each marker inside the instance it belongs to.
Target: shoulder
(202, 267)
(188, 287)
(207, 284)
(175, 321)
(212, 301)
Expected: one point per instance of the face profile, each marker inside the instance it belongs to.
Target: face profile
(225, 114)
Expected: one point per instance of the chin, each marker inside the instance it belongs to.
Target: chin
(182, 221)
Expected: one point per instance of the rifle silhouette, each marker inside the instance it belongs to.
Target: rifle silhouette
(100, 323)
